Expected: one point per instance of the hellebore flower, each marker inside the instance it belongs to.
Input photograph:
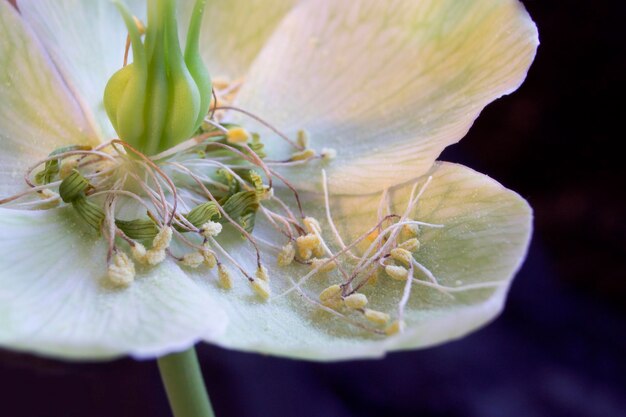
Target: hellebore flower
(399, 252)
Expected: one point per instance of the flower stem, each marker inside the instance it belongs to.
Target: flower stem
(184, 385)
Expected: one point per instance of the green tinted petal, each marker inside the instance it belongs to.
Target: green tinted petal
(388, 84)
(53, 300)
(37, 112)
(86, 39)
(234, 31)
(486, 230)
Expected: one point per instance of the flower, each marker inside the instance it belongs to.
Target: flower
(384, 86)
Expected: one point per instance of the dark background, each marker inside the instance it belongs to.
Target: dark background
(558, 349)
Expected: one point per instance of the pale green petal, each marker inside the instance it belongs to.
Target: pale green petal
(53, 301)
(86, 39)
(234, 31)
(486, 230)
(388, 84)
(37, 111)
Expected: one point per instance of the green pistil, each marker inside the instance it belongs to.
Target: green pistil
(162, 97)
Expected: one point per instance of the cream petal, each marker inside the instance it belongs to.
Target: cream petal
(53, 300)
(234, 31)
(387, 84)
(37, 111)
(484, 238)
(86, 39)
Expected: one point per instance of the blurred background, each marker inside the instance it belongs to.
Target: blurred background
(557, 350)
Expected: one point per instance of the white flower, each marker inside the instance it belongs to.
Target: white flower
(385, 86)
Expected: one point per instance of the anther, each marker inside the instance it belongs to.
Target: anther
(303, 139)
(399, 273)
(306, 244)
(286, 255)
(262, 288)
(311, 225)
(303, 155)
(376, 317)
(238, 135)
(262, 274)
(355, 301)
(395, 327)
(323, 264)
(402, 255)
(155, 256)
(209, 256)
(138, 251)
(211, 229)
(409, 231)
(193, 259)
(162, 240)
(121, 271)
(412, 245)
(224, 277)
(331, 297)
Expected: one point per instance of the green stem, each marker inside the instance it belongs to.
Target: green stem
(184, 385)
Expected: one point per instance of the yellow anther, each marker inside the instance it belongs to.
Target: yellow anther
(162, 240)
(409, 231)
(139, 253)
(238, 135)
(355, 301)
(331, 297)
(303, 138)
(311, 225)
(286, 255)
(121, 271)
(155, 257)
(412, 245)
(371, 237)
(209, 256)
(224, 277)
(262, 288)
(262, 274)
(211, 229)
(323, 264)
(402, 255)
(399, 273)
(193, 259)
(328, 154)
(220, 83)
(318, 252)
(334, 291)
(376, 317)
(306, 244)
(303, 155)
(395, 327)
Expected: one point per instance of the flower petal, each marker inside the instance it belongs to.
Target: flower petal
(233, 31)
(37, 112)
(86, 39)
(387, 84)
(53, 300)
(485, 234)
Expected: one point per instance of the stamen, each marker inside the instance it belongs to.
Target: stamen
(376, 317)
(356, 301)
(121, 270)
